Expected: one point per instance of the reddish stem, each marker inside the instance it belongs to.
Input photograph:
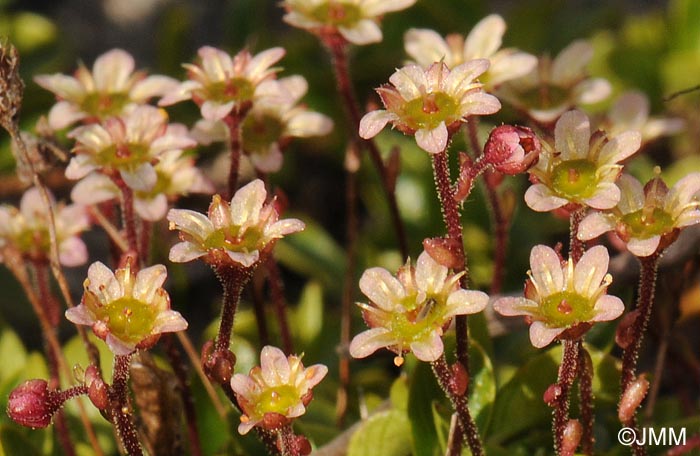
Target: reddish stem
(274, 279)
(567, 375)
(120, 410)
(586, 399)
(233, 280)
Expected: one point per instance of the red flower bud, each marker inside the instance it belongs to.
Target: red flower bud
(571, 437)
(624, 336)
(459, 380)
(512, 150)
(31, 404)
(551, 394)
(631, 398)
(444, 251)
(97, 388)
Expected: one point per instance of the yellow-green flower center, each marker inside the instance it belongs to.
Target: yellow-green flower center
(645, 223)
(418, 321)
(259, 132)
(544, 96)
(229, 238)
(337, 13)
(429, 110)
(565, 309)
(277, 399)
(574, 180)
(122, 155)
(34, 240)
(128, 319)
(238, 90)
(104, 105)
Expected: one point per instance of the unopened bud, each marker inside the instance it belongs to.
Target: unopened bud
(97, 388)
(551, 394)
(31, 404)
(624, 335)
(512, 150)
(445, 251)
(459, 380)
(632, 397)
(571, 437)
(218, 364)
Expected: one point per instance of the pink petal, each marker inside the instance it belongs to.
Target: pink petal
(545, 266)
(513, 306)
(380, 7)
(631, 194)
(571, 135)
(260, 64)
(433, 141)
(570, 64)
(464, 302)
(430, 275)
(64, 113)
(383, 289)
(429, 349)
(426, 47)
(595, 224)
(284, 227)
(242, 385)
(80, 166)
(118, 346)
(620, 147)
(410, 81)
(314, 374)
(592, 91)
(212, 110)
(367, 342)
(180, 93)
(94, 188)
(245, 259)
(364, 31)
(72, 252)
(80, 315)
(151, 209)
(183, 252)
(590, 270)
(169, 321)
(606, 196)
(608, 308)
(643, 247)
(141, 178)
(112, 70)
(541, 335)
(541, 199)
(102, 281)
(153, 86)
(148, 281)
(373, 122)
(245, 427)
(274, 366)
(479, 103)
(509, 64)
(65, 87)
(190, 222)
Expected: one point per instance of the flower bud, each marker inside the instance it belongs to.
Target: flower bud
(218, 364)
(445, 251)
(631, 398)
(624, 335)
(511, 150)
(571, 437)
(551, 394)
(97, 388)
(31, 404)
(459, 380)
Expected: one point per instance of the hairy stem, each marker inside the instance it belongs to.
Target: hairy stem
(586, 399)
(120, 410)
(567, 375)
(576, 246)
(233, 280)
(274, 279)
(443, 375)
(129, 220)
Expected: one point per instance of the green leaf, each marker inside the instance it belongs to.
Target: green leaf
(13, 441)
(386, 433)
(482, 386)
(309, 314)
(13, 354)
(424, 392)
(399, 393)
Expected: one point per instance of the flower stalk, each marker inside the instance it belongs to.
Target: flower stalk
(120, 410)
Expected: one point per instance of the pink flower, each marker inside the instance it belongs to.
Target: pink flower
(563, 298)
(32, 404)
(220, 83)
(579, 168)
(176, 175)
(483, 42)
(237, 232)
(410, 312)
(648, 219)
(356, 21)
(26, 230)
(511, 150)
(431, 103)
(553, 87)
(108, 90)
(128, 145)
(127, 310)
(276, 391)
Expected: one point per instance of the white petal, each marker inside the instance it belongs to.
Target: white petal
(274, 366)
(608, 308)
(620, 147)
(284, 227)
(72, 252)
(379, 7)
(507, 65)
(182, 252)
(479, 103)
(606, 196)
(682, 193)
(80, 315)
(242, 385)
(513, 306)
(118, 346)
(268, 161)
(151, 209)
(426, 47)
(212, 110)
(643, 247)
(410, 81)
(101, 277)
(112, 70)
(465, 302)
(260, 64)
(368, 342)
(430, 275)
(148, 280)
(180, 93)
(94, 188)
(364, 31)
(464, 74)
(485, 38)
(190, 222)
(590, 270)
(383, 289)
(245, 259)
(308, 124)
(142, 178)
(541, 199)
(630, 109)
(206, 132)
(245, 427)
(545, 266)
(430, 349)
(595, 224)
(63, 114)
(592, 91)
(571, 62)
(32, 204)
(631, 194)
(541, 335)
(373, 122)
(247, 203)
(571, 135)
(80, 166)
(65, 87)
(433, 141)
(169, 321)
(153, 86)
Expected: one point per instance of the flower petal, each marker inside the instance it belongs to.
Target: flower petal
(570, 63)
(606, 196)
(571, 135)
(595, 224)
(590, 270)
(643, 247)
(151, 209)
(213, 110)
(426, 47)
(112, 70)
(430, 275)
(382, 288)
(118, 346)
(364, 31)
(148, 281)
(541, 199)
(94, 188)
(620, 147)
(72, 252)
(373, 122)
(541, 335)
(169, 321)
(464, 302)
(247, 203)
(608, 308)
(367, 342)
(80, 315)
(485, 38)
(434, 140)
(513, 306)
(592, 91)
(141, 178)
(63, 114)
(183, 252)
(274, 366)
(546, 270)
(428, 349)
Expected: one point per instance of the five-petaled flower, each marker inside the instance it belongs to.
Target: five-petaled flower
(356, 21)
(483, 42)
(647, 218)
(107, 91)
(26, 230)
(563, 299)
(411, 311)
(236, 233)
(553, 87)
(580, 168)
(631, 112)
(221, 84)
(431, 103)
(127, 310)
(276, 391)
(128, 145)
